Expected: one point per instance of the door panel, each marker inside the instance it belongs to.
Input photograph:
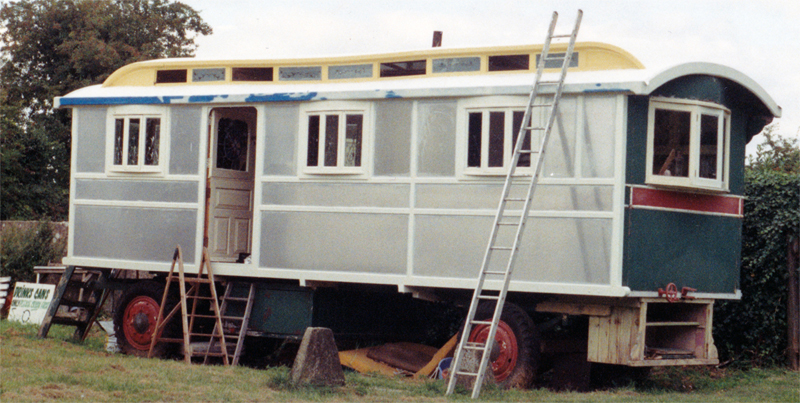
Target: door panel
(230, 182)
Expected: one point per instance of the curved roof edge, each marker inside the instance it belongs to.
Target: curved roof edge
(717, 70)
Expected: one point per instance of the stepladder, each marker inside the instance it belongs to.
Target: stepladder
(512, 213)
(198, 304)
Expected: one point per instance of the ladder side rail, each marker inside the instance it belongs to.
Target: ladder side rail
(245, 322)
(160, 320)
(187, 346)
(215, 307)
(61, 288)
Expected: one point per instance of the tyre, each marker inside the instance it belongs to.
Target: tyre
(515, 359)
(135, 319)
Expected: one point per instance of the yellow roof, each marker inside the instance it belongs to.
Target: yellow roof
(589, 56)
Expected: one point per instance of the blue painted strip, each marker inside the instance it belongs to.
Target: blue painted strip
(281, 97)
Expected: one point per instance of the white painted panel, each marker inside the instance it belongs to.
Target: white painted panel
(233, 199)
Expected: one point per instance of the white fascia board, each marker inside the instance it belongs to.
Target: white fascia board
(451, 86)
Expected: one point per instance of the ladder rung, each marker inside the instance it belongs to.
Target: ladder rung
(528, 151)
(481, 322)
(561, 36)
(197, 315)
(549, 82)
(541, 105)
(492, 297)
(535, 128)
(508, 223)
(233, 317)
(515, 199)
(197, 280)
(501, 248)
(467, 373)
(494, 272)
(169, 340)
(477, 348)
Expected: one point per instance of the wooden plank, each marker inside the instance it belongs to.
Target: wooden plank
(573, 308)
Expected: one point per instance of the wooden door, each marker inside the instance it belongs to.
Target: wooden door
(231, 177)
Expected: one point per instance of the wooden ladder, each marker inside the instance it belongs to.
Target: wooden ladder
(85, 290)
(189, 314)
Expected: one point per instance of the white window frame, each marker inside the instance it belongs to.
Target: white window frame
(141, 112)
(507, 104)
(340, 108)
(697, 109)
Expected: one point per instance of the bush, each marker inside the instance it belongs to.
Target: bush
(23, 248)
(753, 331)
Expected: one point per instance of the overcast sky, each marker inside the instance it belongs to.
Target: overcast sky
(760, 38)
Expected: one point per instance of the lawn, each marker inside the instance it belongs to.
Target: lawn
(56, 369)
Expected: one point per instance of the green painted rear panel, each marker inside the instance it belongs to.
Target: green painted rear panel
(690, 250)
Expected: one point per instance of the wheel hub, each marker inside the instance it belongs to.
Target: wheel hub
(139, 321)
(504, 352)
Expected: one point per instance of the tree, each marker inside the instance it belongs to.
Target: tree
(52, 47)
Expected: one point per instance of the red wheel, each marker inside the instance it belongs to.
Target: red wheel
(135, 319)
(515, 357)
(505, 353)
(139, 321)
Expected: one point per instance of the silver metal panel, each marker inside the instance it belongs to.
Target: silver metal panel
(393, 138)
(130, 233)
(456, 64)
(336, 194)
(300, 73)
(91, 140)
(350, 71)
(437, 138)
(486, 196)
(599, 117)
(565, 250)
(184, 140)
(281, 136)
(136, 190)
(371, 243)
(559, 160)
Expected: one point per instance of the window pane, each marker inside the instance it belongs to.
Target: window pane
(232, 135)
(474, 139)
(524, 159)
(497, 134)
(671, 143)
(119, 128)
(709, 140)
(352, 150)
(331, 139)
(509, 62)
(313, 141)
(151, 142)
(133, 142)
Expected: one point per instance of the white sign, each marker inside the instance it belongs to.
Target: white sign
(31, 302)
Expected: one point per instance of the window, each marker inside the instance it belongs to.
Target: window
(335, 138)
(687, 144)
(136, 140)
(489, 128)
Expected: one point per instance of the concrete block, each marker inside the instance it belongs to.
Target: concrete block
(317, 362)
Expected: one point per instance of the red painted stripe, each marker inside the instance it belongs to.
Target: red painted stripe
(703, 203)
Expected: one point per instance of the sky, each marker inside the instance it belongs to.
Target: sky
(760, 38)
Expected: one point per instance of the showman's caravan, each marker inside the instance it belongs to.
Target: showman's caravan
(358, 193)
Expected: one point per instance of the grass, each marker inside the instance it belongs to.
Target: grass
(57, 369)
